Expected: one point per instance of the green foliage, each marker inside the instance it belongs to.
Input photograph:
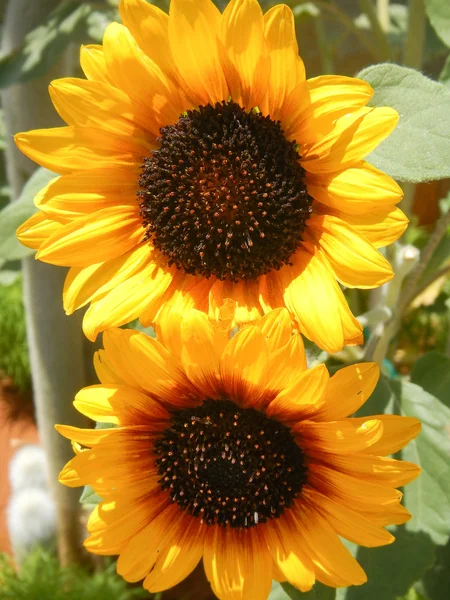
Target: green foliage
(89, 498)
(419, 147)
(393, 569)
(15, 213)
(319, 592)
(432, 373)
(428, 497)
(44, 45)
(14, 360)
(436, 581)
(438, 12)
(42, 578)
(444, 76)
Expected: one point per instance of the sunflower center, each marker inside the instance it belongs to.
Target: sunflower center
(229, 466)
(224, 194)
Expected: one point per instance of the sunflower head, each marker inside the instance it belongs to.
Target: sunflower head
(232, 451)
(198, 164)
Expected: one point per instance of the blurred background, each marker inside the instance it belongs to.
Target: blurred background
(42, 523)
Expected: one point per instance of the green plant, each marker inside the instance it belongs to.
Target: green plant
(42, 577)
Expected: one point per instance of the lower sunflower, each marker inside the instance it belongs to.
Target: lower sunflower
(231, 450)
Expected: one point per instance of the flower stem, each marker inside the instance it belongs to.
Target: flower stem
(415, 37)
(382, 336)
(384, 50)
(383, 14)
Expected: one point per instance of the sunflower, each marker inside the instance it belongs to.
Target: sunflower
(231, 450)
(199, 164)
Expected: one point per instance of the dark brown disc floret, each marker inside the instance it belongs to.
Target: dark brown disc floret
(228, 465)
(224, 194)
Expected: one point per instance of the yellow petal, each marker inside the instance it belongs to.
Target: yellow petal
(93, 63)
(237, 563)
(334, 565)
(351, 491)
(37, 229)
(288, 552)
(86, 284)
(86, 437)
(112, 524)
(243, 366)
(95, 104)
(301, 397)
(353, 137)
(178, 560)
(68, 149)
(276, 327)
(193, 30)
(163, 531)
(381, 226)
(350, 524)
(119, 404)
(146, 364)
(348, 390)
(149, 26)
(353, 258)
(338, 436)
(128, 300)
(355, 190)
(287, 69)
(141, 78)
(70, 196)
(243, 297)
(286, 363)
(111, 231)
(104, 370)
(397, 432)
(377, 469)
(312, 295)
(330, 97)
(201, 351)
(244, 52)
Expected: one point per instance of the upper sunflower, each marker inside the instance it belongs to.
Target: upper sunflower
(198, 164)
(232, 451)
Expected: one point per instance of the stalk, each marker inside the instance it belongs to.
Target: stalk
(55, 341)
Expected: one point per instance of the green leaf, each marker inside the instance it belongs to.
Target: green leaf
(44, 45)
(10, 271)
(438, 12)
(89, 497)
(419, 147)
(277, 592)
(319, 592)
(432, 373)
(444, 76)
(391, 570)
(17, 212)
(436, 581)
(428, 497)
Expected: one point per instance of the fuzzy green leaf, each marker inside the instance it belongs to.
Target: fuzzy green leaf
(391, 570)
(428, 497)
(43, 46)
(89, 497)
(16, 213)
(438, 12)
(419, 147)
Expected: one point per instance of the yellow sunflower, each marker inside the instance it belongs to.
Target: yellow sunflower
(198, 164)
(232, 451)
